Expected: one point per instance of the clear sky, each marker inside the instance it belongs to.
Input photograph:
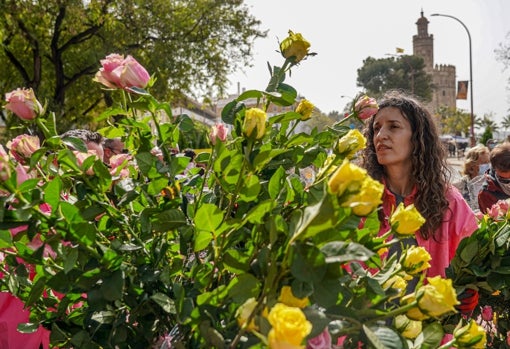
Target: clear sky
(343, 33)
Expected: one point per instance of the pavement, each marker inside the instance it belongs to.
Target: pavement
(455, 165)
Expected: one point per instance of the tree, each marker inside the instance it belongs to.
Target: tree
(454, 121)
(378, 75)
(53, 47)
(489, 126)
(505, 123)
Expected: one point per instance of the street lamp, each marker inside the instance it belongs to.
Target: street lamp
(473, 141)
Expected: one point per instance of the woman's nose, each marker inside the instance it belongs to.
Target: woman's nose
(380, 134)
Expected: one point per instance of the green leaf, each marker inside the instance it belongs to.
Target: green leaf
(285, 117)
(185, 123)
(229, 112)
(431, 336)
(31, 184)
(285, 97)
(308, 263)
(36, 291)
(202, 240)
(235, 261)
(276, 182)
(113, 286)
(111, 112)
(243, 287)
(383, 338)
(251, 188)
(316, 218)
(168, 220)
(250, 94)
(341, 252)
(208, 218)
(70, 258)
(257, 214)
(469, 252)
(145, 162)
(165, 302)
(83, 232)
(5, 239)
(28, 327)
(52, 191)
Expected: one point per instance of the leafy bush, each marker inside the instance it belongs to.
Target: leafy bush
(239, 251)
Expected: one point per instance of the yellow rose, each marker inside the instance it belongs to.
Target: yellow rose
(367, 199)
(409, 328)
(351, 143)
(305, 108)
(294, 46)
(347, 178)
(397, 283)
(289, 327)
(254, 125)
(244, 312)
(288, 298)
(470, 336)
(438, 297)
(415, 260)
(406, 220)
(414, 313)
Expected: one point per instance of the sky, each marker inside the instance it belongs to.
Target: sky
(343, 33)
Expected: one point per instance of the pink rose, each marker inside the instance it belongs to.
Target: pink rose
(134, 74)
(487, 313)
(23, 103)
(5, 167)
(23, 146)
(120, 72)
(21, 174)
(109, 74)
(504, 205)
(118, 165)
(365, 107)
(81, 157)
(322, 341)
(218, 131)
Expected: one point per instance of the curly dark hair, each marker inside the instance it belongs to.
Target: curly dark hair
(429, 169)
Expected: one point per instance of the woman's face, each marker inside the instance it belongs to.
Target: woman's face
(481, 163)
(392, 137)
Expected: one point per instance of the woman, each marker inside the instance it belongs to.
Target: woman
(475, 165)
(404, 153)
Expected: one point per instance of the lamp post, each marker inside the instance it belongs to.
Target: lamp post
(473, 141)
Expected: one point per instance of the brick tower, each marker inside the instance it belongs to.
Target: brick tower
(443, 76)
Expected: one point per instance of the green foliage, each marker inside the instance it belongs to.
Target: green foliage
(378, 75)
(454, 121)
(125, 256)
(482, 262)
(54, 47)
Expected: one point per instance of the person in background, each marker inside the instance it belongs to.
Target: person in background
(491, 143)
(111, 147)
(476, 164)
(404, 153)
(497, 181)
(93, 140)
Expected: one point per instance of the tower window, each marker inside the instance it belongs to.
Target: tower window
(444, 93)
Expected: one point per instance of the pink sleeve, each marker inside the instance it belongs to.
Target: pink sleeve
(459, 222)
(462, 220)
